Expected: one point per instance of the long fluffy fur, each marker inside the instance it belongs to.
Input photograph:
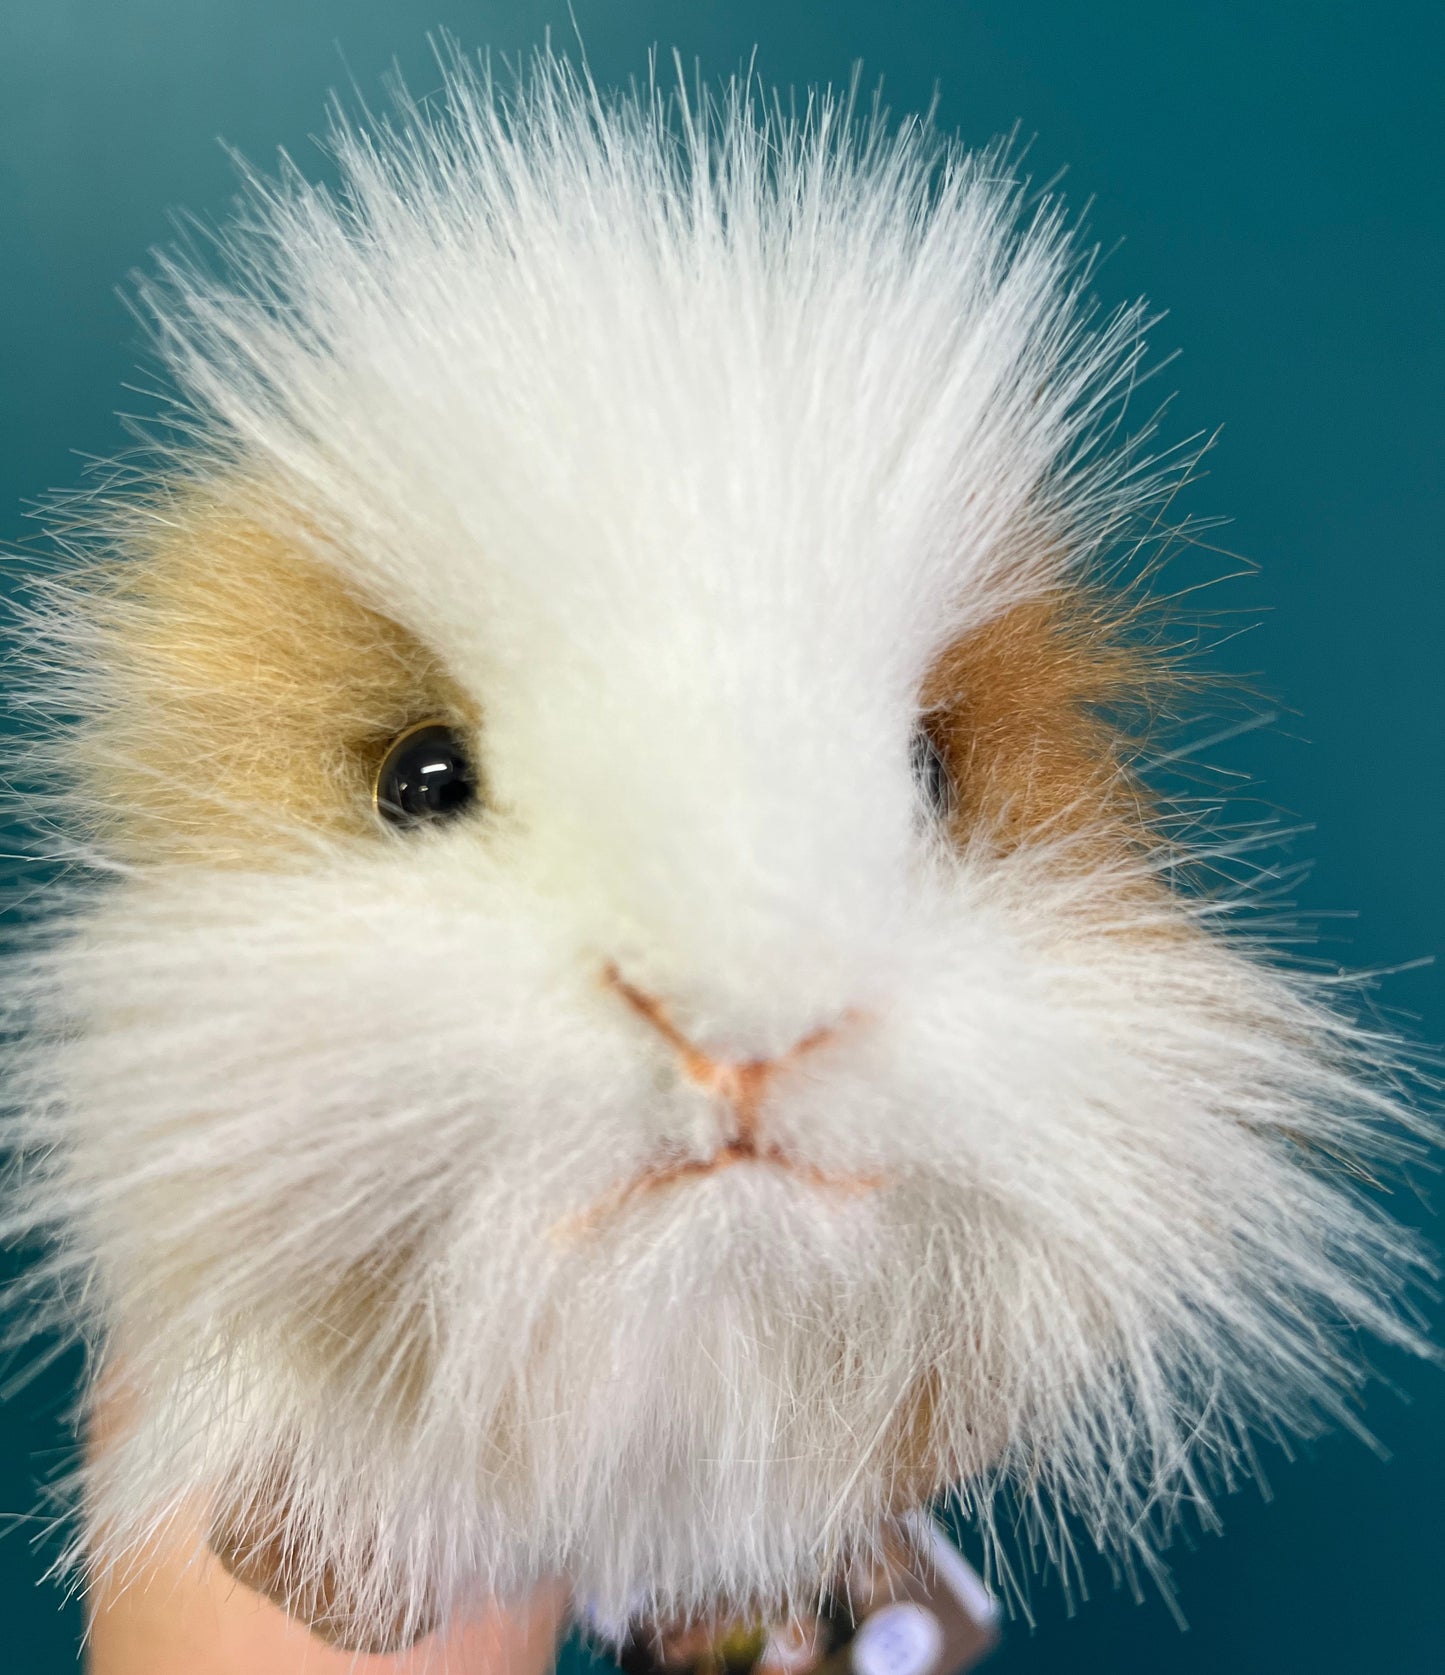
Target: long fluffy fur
(688, 438)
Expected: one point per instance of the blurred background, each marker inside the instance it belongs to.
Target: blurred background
(1269, 174)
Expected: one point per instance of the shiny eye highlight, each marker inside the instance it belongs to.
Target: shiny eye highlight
(930, 774)
(425, 775)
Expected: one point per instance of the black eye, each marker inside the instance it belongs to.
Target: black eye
(930, 773)
(425, 776)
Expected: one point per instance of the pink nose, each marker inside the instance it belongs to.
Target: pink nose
(742, 1086)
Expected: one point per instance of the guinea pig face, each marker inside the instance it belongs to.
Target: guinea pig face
(636, 1025)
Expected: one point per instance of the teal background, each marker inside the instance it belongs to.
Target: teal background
(1270, 174)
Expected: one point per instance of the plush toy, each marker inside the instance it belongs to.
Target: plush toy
(621, 1007)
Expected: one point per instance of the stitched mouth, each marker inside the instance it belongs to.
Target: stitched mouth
(747, 1151)
(675, 1171)
(742, 1087)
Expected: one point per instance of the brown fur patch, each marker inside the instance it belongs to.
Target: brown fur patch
(257, 1542)
(339, 1334)
(245, 694)
(916, 1470)
(1031, 715)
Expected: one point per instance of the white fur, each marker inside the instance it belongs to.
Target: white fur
(688, 437)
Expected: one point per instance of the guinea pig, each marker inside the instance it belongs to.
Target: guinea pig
(622, 1004)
